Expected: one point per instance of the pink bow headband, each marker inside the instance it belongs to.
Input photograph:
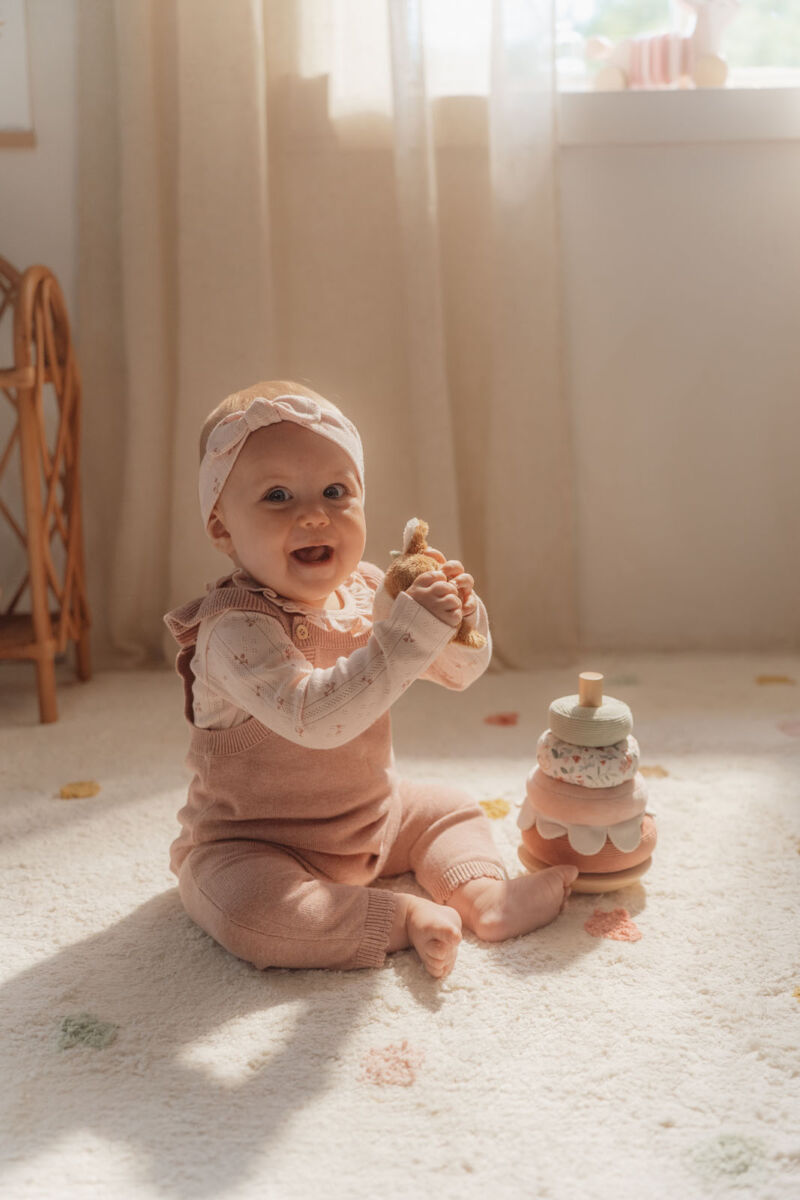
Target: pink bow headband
(229, 435)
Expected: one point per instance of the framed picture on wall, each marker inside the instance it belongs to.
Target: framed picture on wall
(16, 115)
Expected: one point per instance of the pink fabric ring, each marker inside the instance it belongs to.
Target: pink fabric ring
(572, 804)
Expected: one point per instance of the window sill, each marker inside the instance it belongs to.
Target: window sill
(679, 117)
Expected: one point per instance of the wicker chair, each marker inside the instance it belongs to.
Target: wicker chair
(44, 357)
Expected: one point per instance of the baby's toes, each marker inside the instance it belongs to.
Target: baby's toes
(435, 954)
(450, 925)
(439, 957)
(567, 872)
(439, 949)
(568, 876)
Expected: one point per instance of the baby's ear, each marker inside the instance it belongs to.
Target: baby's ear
(219, 534)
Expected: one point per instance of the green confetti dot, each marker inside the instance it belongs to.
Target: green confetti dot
(84, 1029)
(729, 1156)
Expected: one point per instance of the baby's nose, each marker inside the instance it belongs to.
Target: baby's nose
(314, 514)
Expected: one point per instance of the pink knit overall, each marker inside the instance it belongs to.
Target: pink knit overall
(280, 842)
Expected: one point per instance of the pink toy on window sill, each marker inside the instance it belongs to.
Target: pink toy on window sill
(668, 60)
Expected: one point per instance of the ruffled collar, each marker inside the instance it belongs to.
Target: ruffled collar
(355, 595)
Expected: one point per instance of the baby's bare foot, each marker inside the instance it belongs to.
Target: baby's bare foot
(434, 931)
(496, 909)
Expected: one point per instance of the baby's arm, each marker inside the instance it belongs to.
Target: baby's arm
(251, 662)
(458, 666)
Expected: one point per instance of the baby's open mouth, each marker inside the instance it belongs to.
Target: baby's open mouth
(313, 554)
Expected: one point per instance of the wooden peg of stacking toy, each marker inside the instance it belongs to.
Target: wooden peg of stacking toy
(590, 689)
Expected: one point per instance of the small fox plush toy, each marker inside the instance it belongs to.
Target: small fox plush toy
(412, 561)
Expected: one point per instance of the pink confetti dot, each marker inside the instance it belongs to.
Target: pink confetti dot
(504, 718)
(395, 1065)
(616, 925)
(792, 728)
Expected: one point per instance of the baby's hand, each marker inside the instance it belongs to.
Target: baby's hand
(438, 595)
(454, 571)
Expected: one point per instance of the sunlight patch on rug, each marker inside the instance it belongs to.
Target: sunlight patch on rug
(235, 1049)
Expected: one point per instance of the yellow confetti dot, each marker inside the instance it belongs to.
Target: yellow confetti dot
(762, 679)
(495, 808)
(796, 993)
(654, 772)
(80, 789)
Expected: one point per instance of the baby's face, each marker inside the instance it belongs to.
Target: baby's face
(292, 513)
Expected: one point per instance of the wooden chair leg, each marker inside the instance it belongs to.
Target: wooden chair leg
(46, 684)
(44, 356)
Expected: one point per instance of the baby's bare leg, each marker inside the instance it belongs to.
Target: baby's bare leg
(434, 930)
(496, 909)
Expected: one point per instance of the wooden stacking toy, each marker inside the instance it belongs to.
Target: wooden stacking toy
(586, 800)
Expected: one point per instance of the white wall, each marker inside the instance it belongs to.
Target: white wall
(38, 186)
(682, 294)
(683, 309)
(38, 220)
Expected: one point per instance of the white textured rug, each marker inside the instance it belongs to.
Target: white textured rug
(140, 1059)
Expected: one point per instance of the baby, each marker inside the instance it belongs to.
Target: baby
(295, 807)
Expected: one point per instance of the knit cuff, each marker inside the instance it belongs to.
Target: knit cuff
(453, 877)
(381, 907)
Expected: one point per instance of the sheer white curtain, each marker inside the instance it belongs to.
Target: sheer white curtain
(357, 194)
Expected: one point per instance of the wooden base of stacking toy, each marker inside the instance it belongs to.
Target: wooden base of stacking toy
(590, 884)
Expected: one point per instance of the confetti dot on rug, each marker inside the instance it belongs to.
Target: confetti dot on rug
(767, 679)
(495, 808)
(504, 718)
(395, 1065)
(79, 790)
(623, 681)
(616, 925)
(796, 993)
(792, 728)
(84, 1029)
(727, 1156)
(655, 772)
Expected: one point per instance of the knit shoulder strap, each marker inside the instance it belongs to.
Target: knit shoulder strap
(184, 622)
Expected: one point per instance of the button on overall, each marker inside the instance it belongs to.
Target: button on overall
(301, 632)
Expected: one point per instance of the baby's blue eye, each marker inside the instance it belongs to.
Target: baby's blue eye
(332, 487)
(277, 494)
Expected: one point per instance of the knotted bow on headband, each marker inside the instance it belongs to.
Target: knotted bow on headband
(229, 435)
